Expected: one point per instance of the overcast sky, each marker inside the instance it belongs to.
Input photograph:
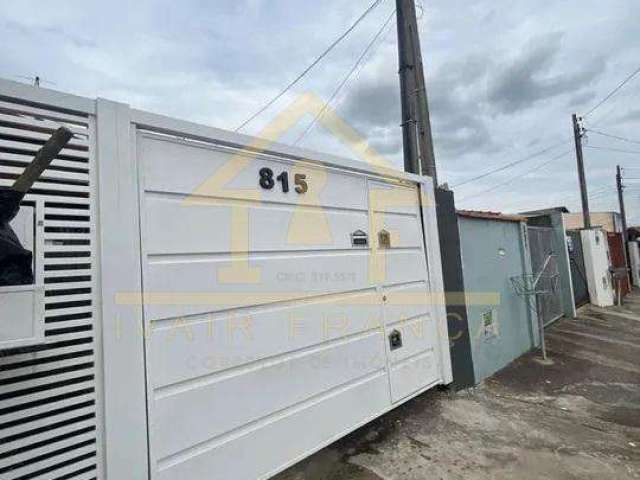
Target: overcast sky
(503, 78)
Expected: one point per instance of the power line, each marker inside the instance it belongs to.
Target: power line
(601, 190)
(517, 177)
(346, 78)
(629, 97)
(616, 137)
(603, 194)
(509, 165)
(597, 147)
(613, 92)
(313, 64)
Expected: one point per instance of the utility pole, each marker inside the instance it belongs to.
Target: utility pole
(623, 213)
(407, 87)
(577, 134)
(416, 124)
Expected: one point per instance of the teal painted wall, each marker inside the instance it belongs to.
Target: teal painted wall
(492, 252)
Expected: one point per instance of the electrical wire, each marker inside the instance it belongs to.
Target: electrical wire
(603, 194)
(615, 137)
(509, 165)
(613, 92)
(601, 190)
(517, 177)
(313, 64)
(597, 147)
(346, 78)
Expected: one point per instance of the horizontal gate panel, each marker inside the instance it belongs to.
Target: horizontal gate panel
(406, 301)
(401, 266)
(418, 335)
(413, 374)
(404, 230)
(214, 172)
(187, 286)
(269, 227)
(285, 439)
(387, 197)
(200, 411)
(183, 349)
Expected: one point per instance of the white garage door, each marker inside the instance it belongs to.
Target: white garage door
(285, 305)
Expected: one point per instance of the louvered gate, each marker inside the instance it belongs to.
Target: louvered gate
(49, 426)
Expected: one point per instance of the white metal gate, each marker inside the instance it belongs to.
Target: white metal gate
(218, 319)
(286, 304)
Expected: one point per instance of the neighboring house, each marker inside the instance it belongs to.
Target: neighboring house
(610, 222)
(545, 211)
(502, 325)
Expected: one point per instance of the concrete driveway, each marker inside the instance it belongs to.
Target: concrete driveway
(576, 419)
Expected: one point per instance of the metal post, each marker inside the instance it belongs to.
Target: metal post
(577, 134)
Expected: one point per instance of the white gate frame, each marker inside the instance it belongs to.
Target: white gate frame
(121, 379)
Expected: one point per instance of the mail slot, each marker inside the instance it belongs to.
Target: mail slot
(359, 239)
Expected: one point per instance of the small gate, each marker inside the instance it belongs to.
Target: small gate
(618, 263)
(541, 245)
(578, 275)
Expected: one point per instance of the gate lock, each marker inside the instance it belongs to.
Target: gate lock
(395, 339)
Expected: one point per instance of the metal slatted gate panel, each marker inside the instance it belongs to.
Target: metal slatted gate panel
(49, 419)
(286, 304)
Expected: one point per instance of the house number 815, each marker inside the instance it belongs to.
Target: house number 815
(267, 181)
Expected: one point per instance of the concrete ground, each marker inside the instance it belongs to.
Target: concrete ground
(576, 419)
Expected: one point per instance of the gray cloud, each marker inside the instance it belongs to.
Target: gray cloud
(581, 99)
(632, 116)
(464, 133)
(373, 104)
(530, 78)
(458, 123)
